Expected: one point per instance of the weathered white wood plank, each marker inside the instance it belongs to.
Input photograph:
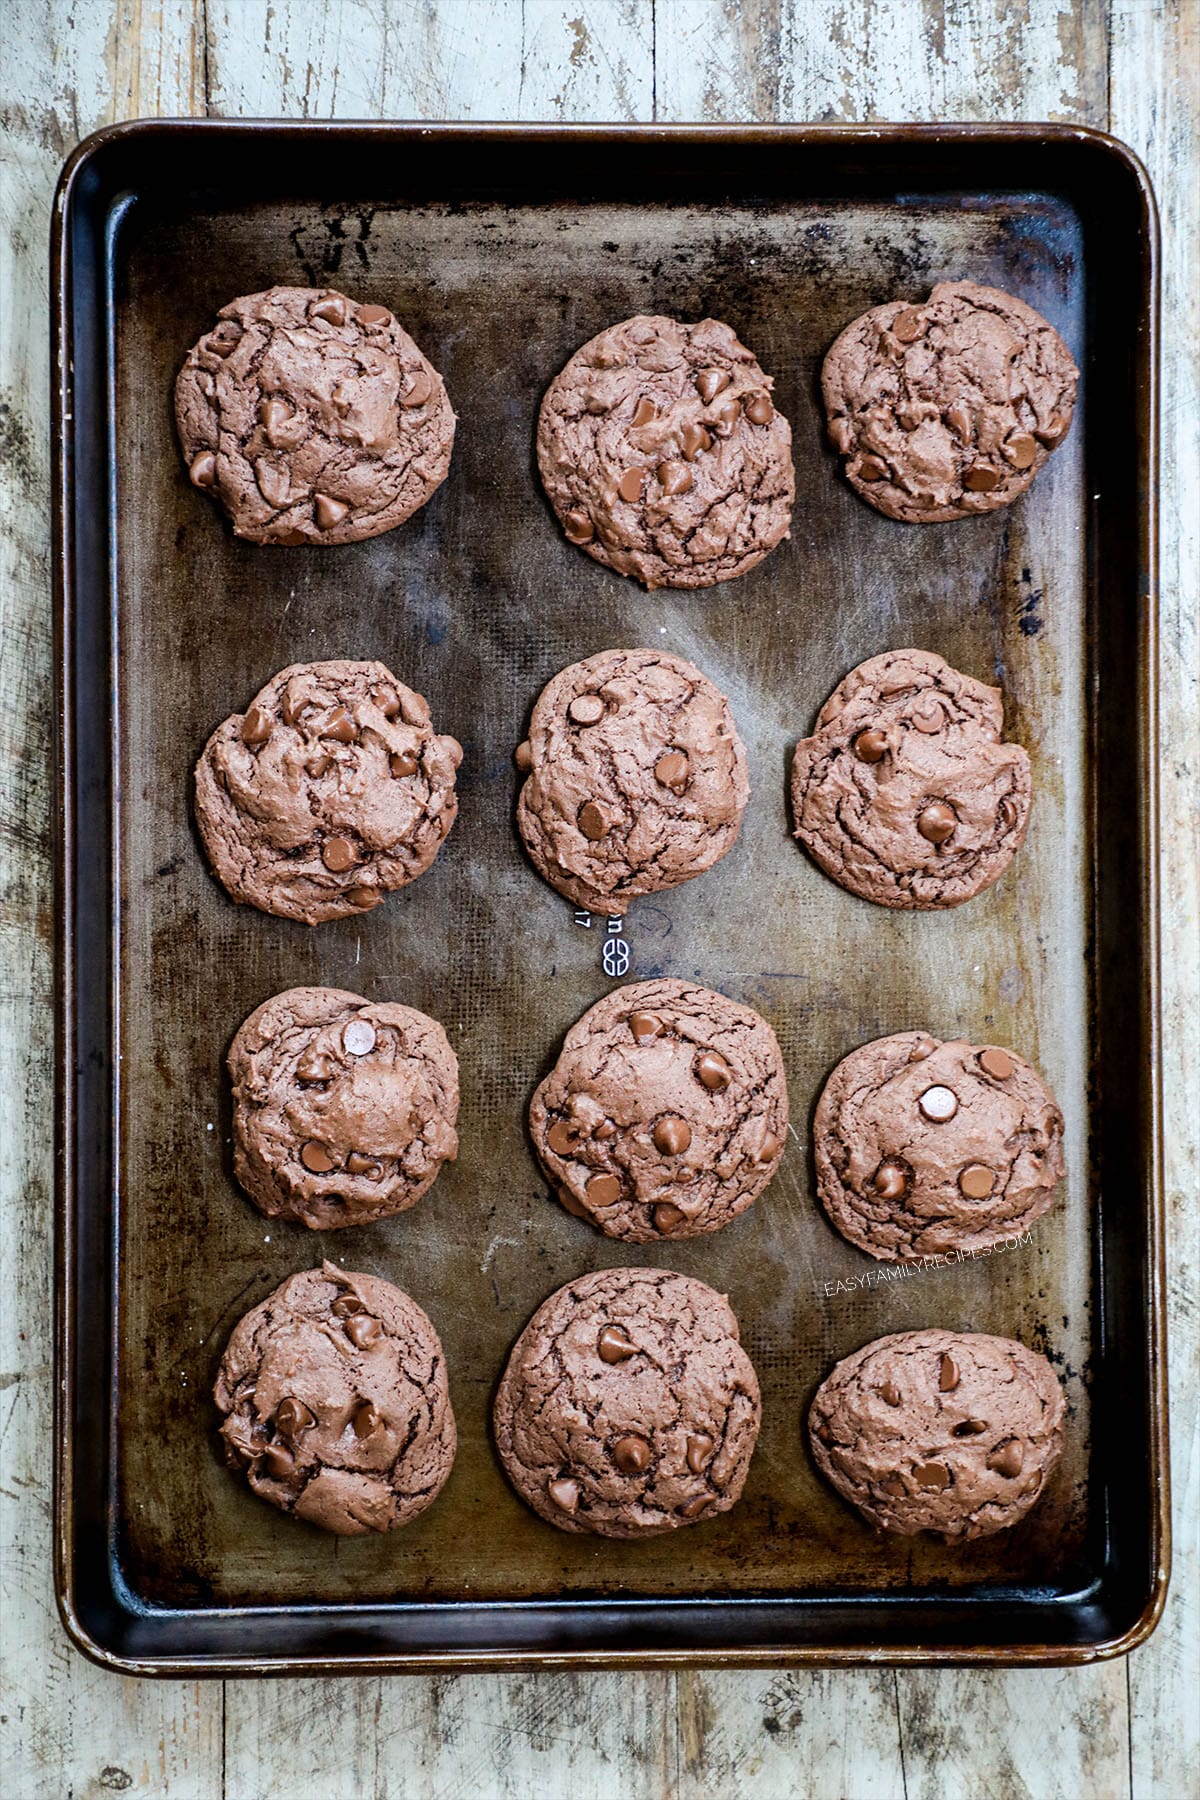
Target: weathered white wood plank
(515, 1737)
(1155, 99)
(68, 1727)
(748, 1735)
(879, 59)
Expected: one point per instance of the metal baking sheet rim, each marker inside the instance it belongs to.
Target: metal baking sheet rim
(778, 1654)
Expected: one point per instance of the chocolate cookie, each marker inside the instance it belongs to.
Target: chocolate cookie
(906, 793)
(628, 1406)
(924, 1147)
(944, 1431)
(947, 409)
(636, 778)
(330, 791)
(343, 1108)
(336, 1404)
(663, 454)
(312, 418)
(666, 1113)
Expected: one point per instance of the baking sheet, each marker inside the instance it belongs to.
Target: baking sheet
(476, 603)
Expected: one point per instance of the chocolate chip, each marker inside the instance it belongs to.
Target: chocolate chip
(767, 1148)
(889, 1393)
(603, 1190)
(645, 413)
(976, 1181)
(1053, 433)
(328, 512)
(592, 822)
(278, 1461)
(314, 1066)
(674, 478)
(523, 757)
(894, 1486)
(586, 709)
(203, 470)
(673, 771)
(871, 468)
(693, 439)
(691, 1509)
(947, 1375)
(292, 1416)
(224, 340)
(713, 1071)
(672, 1136)
(970, 1428)
(578, 527)
(316, 1158)
(256, 726)
(699, 1449)
(959, 420)
(365, 1420)
(565, 1494)
(1007, 814)
(332, 309)
(1021, 450)
(891, 1181)
(937, 822)
(340, 727)
(274, 416)
(561, 1138)
(420, 387)
(938, 1104)
(604, 1131)
(614, 1346)
(908, 325)
(358, 1164)
(363, 896)
(631, 1455)
(929, 718)
(932, 1475)
(373, 315)
(923, 1048)
(631, 484)
(362, 1330)
(981, 479)
(339, 855)
(1008, 1460)
(710, 383)
(345, 1305)
(403, 763)
(870, 746)
(998, 1063)
(723, 418)
(841, 436)
(318, 765)
(644, 1026)
(667, 1217)
(759, 410)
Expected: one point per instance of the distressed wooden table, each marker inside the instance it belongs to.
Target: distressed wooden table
(1130, 66)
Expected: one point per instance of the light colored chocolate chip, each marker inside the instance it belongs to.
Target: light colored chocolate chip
(977, 1181)
(565, 1495)
(203, 470)
(586, 709)
(997, 1063)
(358, 1037)
(938, 1104)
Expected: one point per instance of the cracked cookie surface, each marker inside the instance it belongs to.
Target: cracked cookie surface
(666, 1113)
(945, 1431)
(343, 1108)
(923, 1147)
(628, 1406)
(636, 778)
(949, 408)
(330, 791)
(335, 1402)
(906, 793)
(663, 454)
(313, 418)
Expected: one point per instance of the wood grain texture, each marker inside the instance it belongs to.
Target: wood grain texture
(71, 65)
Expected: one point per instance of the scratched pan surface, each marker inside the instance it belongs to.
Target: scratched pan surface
(476, 603)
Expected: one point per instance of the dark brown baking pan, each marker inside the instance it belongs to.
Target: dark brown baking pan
(502, 249)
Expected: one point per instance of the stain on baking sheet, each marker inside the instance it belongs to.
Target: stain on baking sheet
(476, 602)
